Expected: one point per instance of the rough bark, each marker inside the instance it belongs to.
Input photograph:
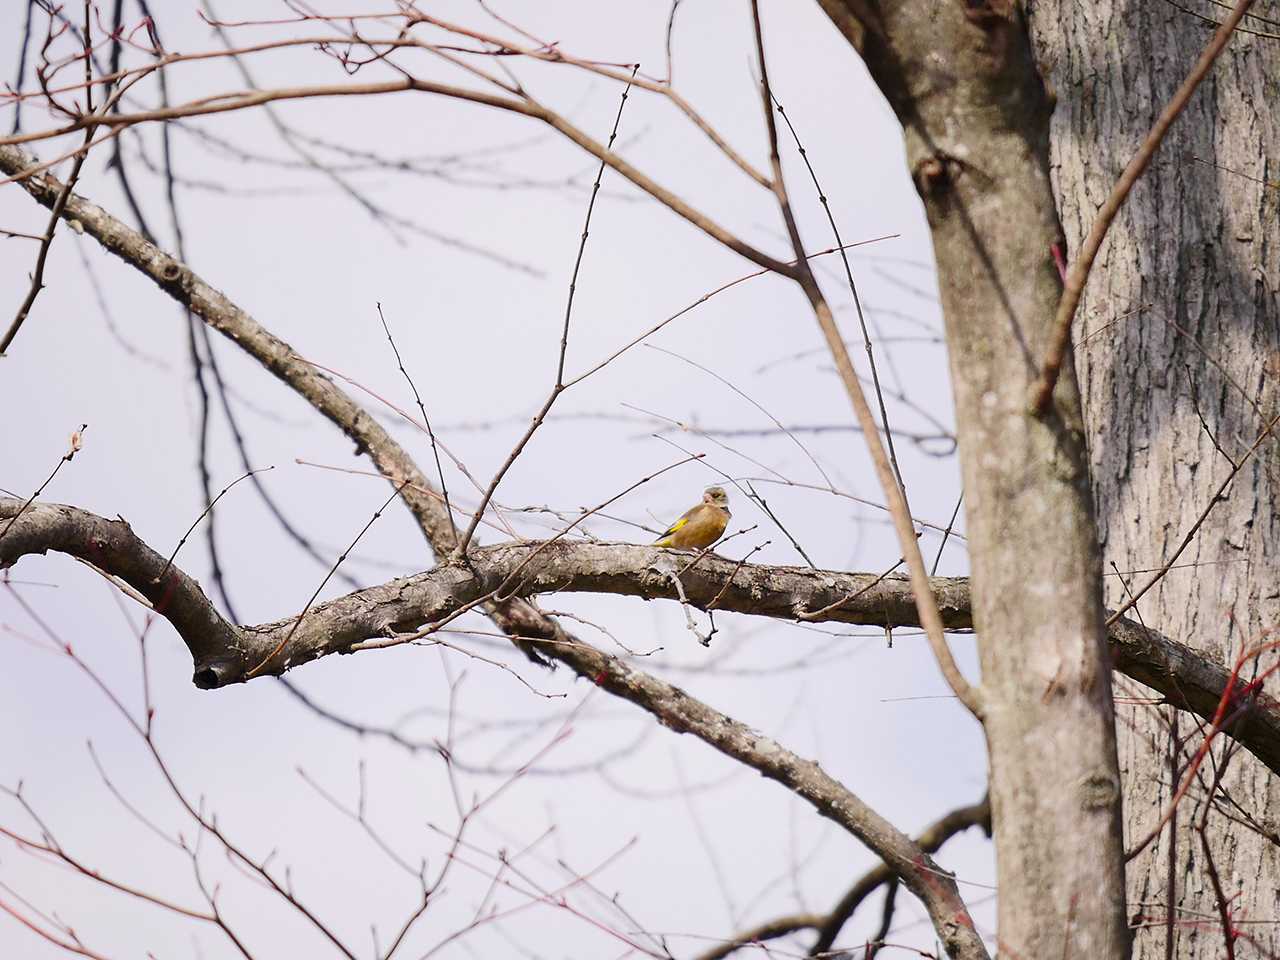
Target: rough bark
(1195, 369)
(962, 80)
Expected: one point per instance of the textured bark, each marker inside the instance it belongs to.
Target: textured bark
(1196, 248)
(962, 79)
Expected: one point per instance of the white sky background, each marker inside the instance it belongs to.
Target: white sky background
(480, 340)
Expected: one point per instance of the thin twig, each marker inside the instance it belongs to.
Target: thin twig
(72, 450)
(853, 289)
(946, 535)
(46, 240)
(204, 513)
(671, 23)
(559, 387)
(886, 918)
(1219, 896)
(1195, 527)
(298, 622)
(812, 615)
(729, 579)
(778, 523)
(426, 421)
(707, 296)
(22, 64)
(747, 397)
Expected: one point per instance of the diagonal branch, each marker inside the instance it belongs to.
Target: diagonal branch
(219, 312)
(829, 925)
(886, 471)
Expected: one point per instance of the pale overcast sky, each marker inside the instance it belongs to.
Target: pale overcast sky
(695, 845)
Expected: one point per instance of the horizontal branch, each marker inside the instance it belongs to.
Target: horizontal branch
(224, 653)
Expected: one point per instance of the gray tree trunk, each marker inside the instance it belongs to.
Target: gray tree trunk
(963, 82)
(1196, 253)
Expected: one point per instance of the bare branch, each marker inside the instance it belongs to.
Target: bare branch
(830, 924)
(46, 241)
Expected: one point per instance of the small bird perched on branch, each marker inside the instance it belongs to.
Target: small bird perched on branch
(701, 526)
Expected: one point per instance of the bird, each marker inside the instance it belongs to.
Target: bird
(700, 526)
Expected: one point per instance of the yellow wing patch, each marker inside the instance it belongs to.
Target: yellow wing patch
(662, 540)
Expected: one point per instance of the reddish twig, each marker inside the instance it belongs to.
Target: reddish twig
(1234, 695)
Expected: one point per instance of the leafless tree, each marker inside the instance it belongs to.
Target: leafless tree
(1100, 191)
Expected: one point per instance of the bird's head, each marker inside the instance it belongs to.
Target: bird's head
(716, 497)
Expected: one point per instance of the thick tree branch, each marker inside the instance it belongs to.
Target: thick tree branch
(112, 547)
(278, 357)
(224, 652)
